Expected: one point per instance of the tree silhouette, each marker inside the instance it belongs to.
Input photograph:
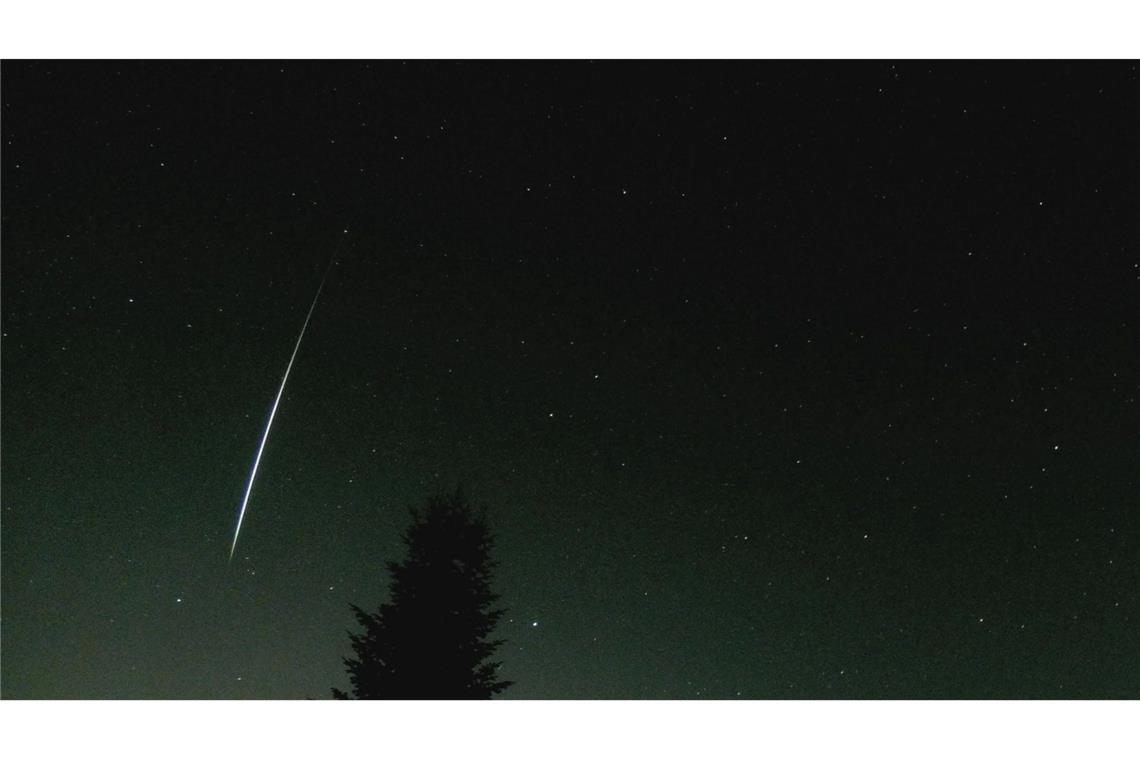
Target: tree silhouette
(430, 641)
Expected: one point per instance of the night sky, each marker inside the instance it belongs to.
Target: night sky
(777, 379)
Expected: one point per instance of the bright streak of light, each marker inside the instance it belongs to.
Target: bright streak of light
(273, 413)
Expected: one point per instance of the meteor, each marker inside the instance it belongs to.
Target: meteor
(273, 411)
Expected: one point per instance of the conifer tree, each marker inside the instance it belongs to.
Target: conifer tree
(431, 639)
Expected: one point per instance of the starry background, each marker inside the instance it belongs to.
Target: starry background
(778, 379)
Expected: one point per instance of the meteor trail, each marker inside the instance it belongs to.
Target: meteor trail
(273, 411)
